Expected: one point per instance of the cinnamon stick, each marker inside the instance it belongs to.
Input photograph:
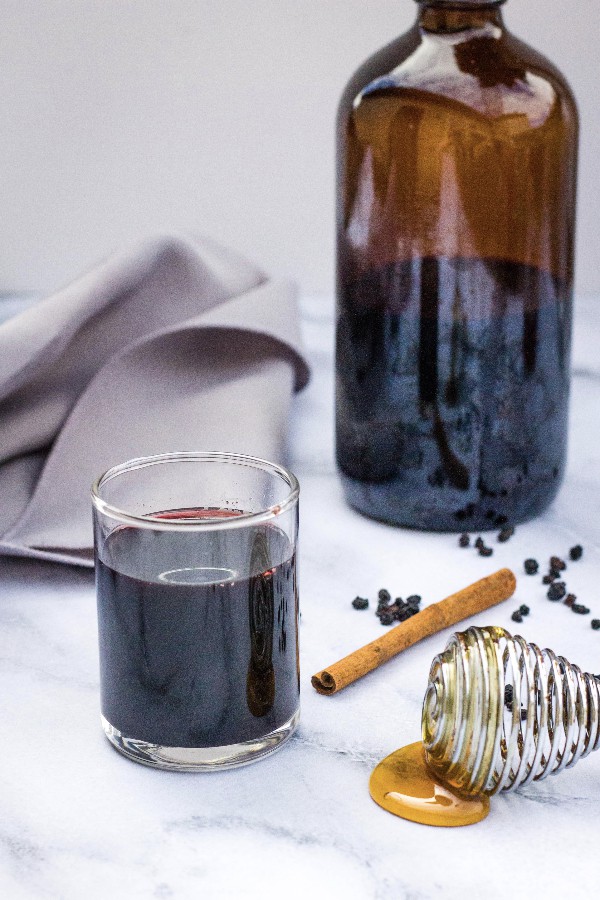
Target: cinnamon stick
(471, 600)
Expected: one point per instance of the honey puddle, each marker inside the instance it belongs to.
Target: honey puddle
(403, 785)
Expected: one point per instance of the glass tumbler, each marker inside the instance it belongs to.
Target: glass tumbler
(197, 608)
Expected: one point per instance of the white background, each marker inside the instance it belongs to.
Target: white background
(120, 118)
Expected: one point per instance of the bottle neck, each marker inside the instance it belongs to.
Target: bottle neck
(457, 15)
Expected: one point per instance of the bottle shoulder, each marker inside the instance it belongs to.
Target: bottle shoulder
(378, 66)
(487, 72)
(539, 65)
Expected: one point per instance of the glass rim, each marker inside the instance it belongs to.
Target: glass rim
(239, 521)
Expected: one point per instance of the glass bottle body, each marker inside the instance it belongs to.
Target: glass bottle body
(456, 197)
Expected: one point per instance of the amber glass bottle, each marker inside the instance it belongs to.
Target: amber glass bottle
(457, 150)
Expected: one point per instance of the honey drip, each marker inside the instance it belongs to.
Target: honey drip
(403, 785)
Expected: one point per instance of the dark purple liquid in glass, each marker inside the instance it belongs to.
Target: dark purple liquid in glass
(193, 654)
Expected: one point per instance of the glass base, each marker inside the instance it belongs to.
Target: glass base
(198, 759)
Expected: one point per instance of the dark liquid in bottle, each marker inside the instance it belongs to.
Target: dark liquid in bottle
(452, 391)
(193, 654)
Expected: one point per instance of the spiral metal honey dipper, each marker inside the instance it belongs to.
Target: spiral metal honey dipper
(500, 713)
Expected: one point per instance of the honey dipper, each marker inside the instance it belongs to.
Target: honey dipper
(498, 713)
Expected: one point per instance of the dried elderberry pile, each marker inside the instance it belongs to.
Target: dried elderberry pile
(557, 589)
(399, 610)
(389, 611)
(554, 578)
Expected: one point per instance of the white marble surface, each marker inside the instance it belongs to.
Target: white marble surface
(78, 820)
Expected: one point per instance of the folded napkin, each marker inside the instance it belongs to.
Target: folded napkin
(174, 345)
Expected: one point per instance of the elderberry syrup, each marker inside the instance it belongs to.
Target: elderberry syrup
(457, 149)
(192, 654)
(447, 420)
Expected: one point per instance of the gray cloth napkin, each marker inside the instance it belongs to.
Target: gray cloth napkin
(174, 345)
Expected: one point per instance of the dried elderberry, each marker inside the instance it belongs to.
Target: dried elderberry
(402, 612)
(531, 566)
(508, 697)
(580, 609)
(524, 610)
(548, 579)
(517, 616)
(557, 591)
(464, 540)
(485, 551)
(397, 605)
(570, 599)
(557, 563)
(384, 597)
(479, 543)
(576, 552)
(506, 534)
(595, 623)
(360, 603)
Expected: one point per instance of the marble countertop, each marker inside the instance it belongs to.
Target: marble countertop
(78, 820)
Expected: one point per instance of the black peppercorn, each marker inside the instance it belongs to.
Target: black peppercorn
(576, 552)
(595, 625)
(517, 616)
(531, 566)
(524, 610)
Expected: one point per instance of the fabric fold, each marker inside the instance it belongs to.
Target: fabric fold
(175, 345)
